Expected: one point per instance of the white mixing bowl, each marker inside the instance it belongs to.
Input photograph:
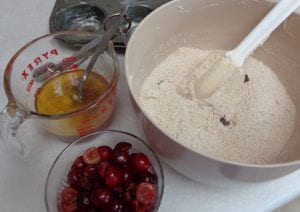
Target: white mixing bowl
(213, 24)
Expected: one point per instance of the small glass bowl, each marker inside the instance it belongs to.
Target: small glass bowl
(57, 176)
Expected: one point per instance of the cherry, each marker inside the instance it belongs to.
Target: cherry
(130, 192)
(102, 198)
(69, 198)
(98, 184)
(118, 206)
(132, 187)
(121, 157)
(148, 177)
(146, 193)
(102, 167)
(127, 177)
(84, 200)
(136, 206)
(122, 146)
(127, 196)
(82, 209)
(84, 182)
(90, 172)
(119, 190)
(91, 156)
(73, 177)
(78, 164)
(113, 176)
(105, 152)
(140, 162)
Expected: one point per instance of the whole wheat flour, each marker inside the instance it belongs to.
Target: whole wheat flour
(248, 124)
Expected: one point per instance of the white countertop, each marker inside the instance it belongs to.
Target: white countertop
(22, 183)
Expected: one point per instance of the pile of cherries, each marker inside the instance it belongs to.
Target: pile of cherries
(105, 179)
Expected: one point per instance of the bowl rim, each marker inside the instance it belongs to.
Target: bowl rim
(130, 45)
(99, 132)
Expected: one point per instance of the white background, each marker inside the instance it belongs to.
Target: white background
(22, 183)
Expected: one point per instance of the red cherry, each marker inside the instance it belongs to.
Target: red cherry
(113, 177)
(121, 157)
(140, 162)
(105, 152)
(90, 172)
(149, 177)
(102, 167)
(118, 206)
(84, 201)
(136, 206)
(69, 198)
(102, 198)
(118, 190)
(132, 187)
(98, 184)
(123, 146)
(146, 193)
(73, 177)
(84, 182)
(78, 164)
(91, 156)
(130, 192)
(82, 209)
(127, 177)
(127, 196)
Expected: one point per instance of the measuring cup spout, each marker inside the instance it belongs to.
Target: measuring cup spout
(10, 120)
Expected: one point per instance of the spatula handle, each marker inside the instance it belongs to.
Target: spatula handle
(262, 31)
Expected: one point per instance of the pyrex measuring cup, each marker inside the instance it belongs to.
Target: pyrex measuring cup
(22, 89)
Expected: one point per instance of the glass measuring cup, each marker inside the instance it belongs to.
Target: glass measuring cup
(22, 89)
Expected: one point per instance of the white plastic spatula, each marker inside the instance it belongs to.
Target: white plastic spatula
(231, 63)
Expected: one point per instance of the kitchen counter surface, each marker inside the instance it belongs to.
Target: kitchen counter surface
(22, 182)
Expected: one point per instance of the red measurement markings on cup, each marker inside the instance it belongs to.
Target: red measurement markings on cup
(39, 60)
(37, 91)
(86, 130)
(88, 123)
(29, 86)
(24, 74)
(35, 63)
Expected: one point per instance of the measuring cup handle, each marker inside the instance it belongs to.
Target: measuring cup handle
(9, 125)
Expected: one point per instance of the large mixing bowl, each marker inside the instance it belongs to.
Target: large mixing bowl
(213, 24)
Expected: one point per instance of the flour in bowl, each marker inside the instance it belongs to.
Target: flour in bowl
(248, 124)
